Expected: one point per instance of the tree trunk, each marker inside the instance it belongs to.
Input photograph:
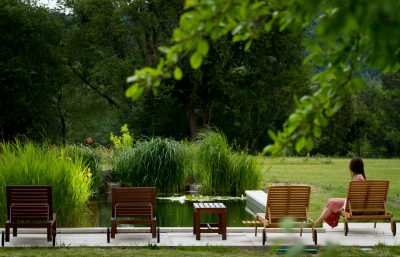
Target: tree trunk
(62, 118)
(188, 93)
(192, 119)
(207, 110)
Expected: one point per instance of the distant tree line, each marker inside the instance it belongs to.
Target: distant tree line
(63, 78)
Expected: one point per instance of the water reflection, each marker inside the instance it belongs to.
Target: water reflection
(173, 213)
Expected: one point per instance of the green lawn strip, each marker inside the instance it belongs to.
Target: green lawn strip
(329, 177)
(208, 251)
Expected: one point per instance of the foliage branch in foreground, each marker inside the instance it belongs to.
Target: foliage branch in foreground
(346, 35)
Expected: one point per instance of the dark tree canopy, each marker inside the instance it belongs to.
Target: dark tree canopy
(30, 70)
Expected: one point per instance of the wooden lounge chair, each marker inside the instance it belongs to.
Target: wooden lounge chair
(30, 207)
(286, 202)
(366, 200)
(133, 205)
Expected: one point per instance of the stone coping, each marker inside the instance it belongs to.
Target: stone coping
(94, 230)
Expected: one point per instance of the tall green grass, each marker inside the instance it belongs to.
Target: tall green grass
(31, 164)
(220, 169)
(90, 158)
(153, 162)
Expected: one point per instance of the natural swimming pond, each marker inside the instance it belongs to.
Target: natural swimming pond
(174, 212)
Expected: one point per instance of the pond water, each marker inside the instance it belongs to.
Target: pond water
(174, 213)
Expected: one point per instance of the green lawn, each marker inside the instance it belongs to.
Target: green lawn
(329, 177)
(189, 251)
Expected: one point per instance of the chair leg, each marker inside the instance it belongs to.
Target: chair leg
(153, 230)
(2, 238)
(54, 228)
(54, 238)
(315, 236)
(346, 228)
(14, 231)
(264, 236)
(301, 230)
(113, 229)
(393, 226)
(256, 229)
(375, 224)
(49, 233)
(7, 232)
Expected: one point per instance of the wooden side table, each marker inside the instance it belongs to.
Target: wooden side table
(210, 208)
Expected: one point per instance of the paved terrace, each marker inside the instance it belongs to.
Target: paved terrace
(360, 234)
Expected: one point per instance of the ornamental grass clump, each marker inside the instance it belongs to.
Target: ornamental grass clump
(90, 158)
(245, 173)
(32, 164)
(154, 162)
(222, 171)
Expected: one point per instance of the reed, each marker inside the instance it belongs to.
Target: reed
(91, 158)
(155, 162)
(246, 173)
(221, 170)
(31, 164)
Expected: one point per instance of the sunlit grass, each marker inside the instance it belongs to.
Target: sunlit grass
(90, 158)
(31, 164)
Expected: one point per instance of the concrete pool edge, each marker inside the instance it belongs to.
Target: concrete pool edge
(95, 230)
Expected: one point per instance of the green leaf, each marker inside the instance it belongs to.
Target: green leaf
(294, 118)
(134, 92)
(164, 49)
(203, 47)
(195, 60)
(268, 26)
(300, 144)
(178, 73)
(268, 149)
(272, 135)
(357, 84)
(309, 144)
(237, 29)
(247, 45)
(317, 131)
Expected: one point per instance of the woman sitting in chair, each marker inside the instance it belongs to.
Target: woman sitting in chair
(335, 206)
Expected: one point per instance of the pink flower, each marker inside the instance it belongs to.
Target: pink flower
(89, 140)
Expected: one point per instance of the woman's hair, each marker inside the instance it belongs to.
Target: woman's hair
(357, 166)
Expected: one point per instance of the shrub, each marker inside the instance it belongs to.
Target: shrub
(123, 141)
(153, 162)
(30, 164)
(222, 171)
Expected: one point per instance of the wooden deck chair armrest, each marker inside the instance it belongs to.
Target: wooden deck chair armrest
(350, 209)
(307, 217)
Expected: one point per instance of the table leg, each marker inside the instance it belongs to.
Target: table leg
(198, 225)
(223, 225)
(194, 221)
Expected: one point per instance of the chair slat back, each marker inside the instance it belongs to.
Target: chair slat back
(288, 201)
(367, 195)
(133, 201)
(29, 203)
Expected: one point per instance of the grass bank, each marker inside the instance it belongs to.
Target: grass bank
(329, 177)
(208, 251)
